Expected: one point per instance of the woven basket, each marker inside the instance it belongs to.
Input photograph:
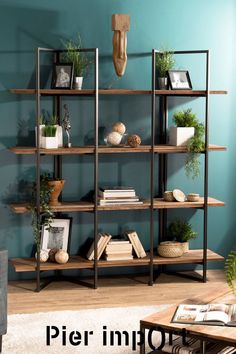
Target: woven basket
(170, 249)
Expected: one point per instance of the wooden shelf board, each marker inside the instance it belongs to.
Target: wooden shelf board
(159, 203)
(193, 256)
(77, 262)
(117, 92)
(164, 149)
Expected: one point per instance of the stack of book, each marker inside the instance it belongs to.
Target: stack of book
(118, 195)
(118, 249)
(103, 239)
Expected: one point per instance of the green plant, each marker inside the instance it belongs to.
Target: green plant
(164, 62)
(230, 270)
(181, 231)
(196, 144)
(50, 128)
(45, 210)
(71, 55)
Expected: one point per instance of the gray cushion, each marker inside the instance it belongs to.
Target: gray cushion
(3, 291)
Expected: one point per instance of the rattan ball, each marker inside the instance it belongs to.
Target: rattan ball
(134, 140)
(61, 257)
(51, 254)
(114, 138)
(43, 256)
(119, 127)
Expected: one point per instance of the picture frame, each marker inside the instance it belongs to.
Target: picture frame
(179, 80)
(57, 235)
(62, 77)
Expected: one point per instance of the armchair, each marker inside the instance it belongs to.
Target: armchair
(3, 294)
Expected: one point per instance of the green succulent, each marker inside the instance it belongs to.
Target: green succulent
(181, 231)
(230, 270)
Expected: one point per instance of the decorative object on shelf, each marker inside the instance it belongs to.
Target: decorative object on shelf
(193, 197)
(168, 196)
(195, 144)
(179, 195)
(114, 138)
(230, 270)
(179, 80)
(134, 140)
(164, 62)
(57, 236)
(61, 257)
(57, 186)
(79, 60)
(67, 124)
(179, 136)
(181, 231)
(52, 254)
(119, 127)
(43, 256)
(47, 128)
(170, 249)
(120, 25)
(62, 76)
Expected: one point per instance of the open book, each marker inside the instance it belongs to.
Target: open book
(211, 314)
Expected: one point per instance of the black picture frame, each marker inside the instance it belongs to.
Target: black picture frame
(179, 80)
(62, 76)
(57, 235)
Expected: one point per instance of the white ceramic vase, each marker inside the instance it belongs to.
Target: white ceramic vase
(180, 135)
(78, 82)
(49, 142)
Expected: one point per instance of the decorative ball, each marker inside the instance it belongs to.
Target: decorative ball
(52, 253)
(61, 257)
(43, 256)
(134, 140)
(119, 127)
(114, 138)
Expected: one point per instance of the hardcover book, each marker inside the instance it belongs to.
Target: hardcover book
(212, 314)
(137, 245)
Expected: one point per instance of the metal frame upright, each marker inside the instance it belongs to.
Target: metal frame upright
(58, 158)
(163, 157)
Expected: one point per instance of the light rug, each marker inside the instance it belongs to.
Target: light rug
(27, 332)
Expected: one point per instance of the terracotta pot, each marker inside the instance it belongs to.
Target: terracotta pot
(57, 188)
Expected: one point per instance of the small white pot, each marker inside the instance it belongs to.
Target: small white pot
(78, 81)
(49, 142)
(185, 246)
(59, 136)
(180, 135)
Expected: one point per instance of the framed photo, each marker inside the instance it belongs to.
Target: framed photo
(57, 235)
(179, 80)
(62, 77)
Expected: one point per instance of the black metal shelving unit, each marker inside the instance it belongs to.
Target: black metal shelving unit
(159, 148)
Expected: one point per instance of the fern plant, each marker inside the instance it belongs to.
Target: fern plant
(181, 231)
(230, 270)
(164, 62)
(196, 144)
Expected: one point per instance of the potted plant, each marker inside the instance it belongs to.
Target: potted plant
(47, 128)
(79, 60)
(50, 189)
(181, 231)
(164, 62)
(230, 270)
(188, 132)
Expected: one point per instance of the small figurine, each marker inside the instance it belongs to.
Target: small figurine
(66, 124)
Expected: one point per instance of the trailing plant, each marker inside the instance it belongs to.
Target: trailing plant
(164, 62)
(45, 210)
(71, 55)
(181, 231)
(230, 270)
(196, 144)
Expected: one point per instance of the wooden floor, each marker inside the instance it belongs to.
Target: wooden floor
(112, 292)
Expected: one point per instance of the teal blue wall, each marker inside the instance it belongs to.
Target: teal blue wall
(200, 24)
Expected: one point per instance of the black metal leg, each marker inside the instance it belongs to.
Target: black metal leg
(202, 347)
(0, 343)
(142, 336)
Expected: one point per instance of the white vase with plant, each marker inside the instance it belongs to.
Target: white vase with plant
(164, 61)
(79, 60)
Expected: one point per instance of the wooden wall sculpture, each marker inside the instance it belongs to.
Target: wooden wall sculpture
(120, 25)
